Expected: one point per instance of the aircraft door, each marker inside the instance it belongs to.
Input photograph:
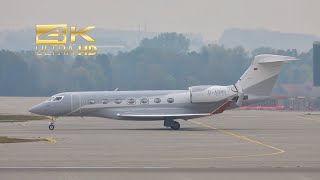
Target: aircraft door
(75, 104)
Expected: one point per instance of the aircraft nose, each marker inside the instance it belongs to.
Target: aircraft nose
(36, 109)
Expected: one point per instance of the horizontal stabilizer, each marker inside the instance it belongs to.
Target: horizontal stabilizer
(269, 58)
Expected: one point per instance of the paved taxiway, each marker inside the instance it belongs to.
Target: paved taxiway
(251, 143)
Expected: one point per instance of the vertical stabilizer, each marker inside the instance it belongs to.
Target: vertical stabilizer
(262, 74)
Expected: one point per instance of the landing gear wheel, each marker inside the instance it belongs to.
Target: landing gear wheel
(51, 123)
(51, 127)
(176, 125)
(168, 122)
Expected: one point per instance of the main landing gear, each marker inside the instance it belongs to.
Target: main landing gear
(172, 124)
(51, 123)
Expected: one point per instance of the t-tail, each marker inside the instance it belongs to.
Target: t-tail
(260, 77)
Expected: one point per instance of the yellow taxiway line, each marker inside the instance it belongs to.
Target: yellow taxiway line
(278, 150)
(51, 140)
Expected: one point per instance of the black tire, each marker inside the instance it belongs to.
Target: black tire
(51, 127)
(176, 125)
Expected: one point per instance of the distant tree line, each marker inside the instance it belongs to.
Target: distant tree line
(163, 62)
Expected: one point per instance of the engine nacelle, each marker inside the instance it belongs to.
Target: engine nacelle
(207, 94)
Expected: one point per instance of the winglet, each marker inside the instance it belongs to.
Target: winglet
(222, 108)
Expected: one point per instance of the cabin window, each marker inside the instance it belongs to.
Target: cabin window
(105, 101)
(157, 100)
(170, 100)
(117, 101)
(92, 101)
(144, 100)
(131, 100)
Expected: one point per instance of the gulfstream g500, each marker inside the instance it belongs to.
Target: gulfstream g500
(168, 105)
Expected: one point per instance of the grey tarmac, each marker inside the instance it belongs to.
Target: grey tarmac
(238, 144)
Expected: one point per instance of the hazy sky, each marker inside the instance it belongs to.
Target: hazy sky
(208, 17)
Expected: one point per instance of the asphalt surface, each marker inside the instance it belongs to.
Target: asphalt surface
(236, 144)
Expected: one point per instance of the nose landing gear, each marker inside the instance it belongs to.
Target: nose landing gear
(168, 122)
(51, 127)
(51, 123)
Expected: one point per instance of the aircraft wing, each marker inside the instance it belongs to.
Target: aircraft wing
(128, 115)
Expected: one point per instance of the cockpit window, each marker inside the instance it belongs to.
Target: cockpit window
(55, 99)
(50, 99)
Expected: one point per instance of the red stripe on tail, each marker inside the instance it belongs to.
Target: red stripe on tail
(222, 108)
